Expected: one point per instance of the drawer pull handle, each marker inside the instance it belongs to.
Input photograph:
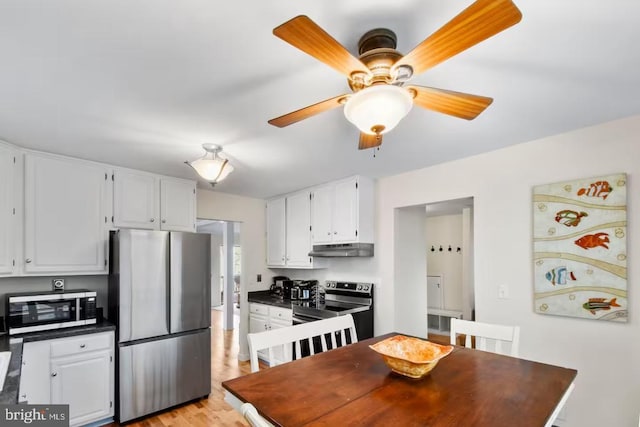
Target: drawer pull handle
(54, 374)
(83, 345)
(28, 260)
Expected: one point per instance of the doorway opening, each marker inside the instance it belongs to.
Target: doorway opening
(226, 268)
(449, 239)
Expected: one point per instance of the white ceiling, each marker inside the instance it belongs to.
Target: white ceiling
(143, 83)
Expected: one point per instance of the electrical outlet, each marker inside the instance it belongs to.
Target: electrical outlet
(259, 278)
(503, 292)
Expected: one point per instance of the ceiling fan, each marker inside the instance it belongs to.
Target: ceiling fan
(380, 99)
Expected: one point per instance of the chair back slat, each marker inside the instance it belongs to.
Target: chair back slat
(485, 333)
(287, 338)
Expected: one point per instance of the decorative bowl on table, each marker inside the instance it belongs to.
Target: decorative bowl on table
(411, 357)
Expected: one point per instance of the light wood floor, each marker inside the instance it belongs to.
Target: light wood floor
(212, 411)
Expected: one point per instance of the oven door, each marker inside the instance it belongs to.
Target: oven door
(27, 315)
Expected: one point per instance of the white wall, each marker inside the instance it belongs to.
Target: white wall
(606, 354)
(250, 213)
(410, 279)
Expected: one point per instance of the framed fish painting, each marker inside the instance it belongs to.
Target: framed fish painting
(580, 248)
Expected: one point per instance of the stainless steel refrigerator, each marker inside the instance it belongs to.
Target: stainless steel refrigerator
(159, 293)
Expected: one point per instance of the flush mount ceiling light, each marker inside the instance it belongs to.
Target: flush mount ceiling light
(211, 167)
(378, 109)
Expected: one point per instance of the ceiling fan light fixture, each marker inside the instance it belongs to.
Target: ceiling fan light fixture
(378, 109)
(211, 167)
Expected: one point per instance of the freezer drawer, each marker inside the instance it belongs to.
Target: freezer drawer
(158, 374)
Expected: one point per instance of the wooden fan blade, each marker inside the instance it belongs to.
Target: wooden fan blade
(307, 36)
(306, 112)
(458, 104)
(369, 141)
(478, 22)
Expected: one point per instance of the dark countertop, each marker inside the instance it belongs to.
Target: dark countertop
(9, 393)
(264, 297)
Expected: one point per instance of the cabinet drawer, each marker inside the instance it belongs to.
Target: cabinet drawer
(259, 309)
(81, 344)
(281, 313)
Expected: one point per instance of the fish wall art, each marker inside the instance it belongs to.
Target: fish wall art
(580, 248)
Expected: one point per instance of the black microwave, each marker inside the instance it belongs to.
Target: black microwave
(39, 311)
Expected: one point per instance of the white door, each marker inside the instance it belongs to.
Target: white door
(177, 205)
(434, 292)
(345, 211)
(321, 215)
(65, 215)
(84, 382)
(135, 200)
(35, 375)
(7, 213)
(298, 219)
(276, 232)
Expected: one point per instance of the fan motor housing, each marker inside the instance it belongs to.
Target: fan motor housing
(377, 50)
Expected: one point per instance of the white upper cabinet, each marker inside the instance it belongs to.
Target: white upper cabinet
(177, 204)
(289, 232)
(276, 234)
(65, 215)
(298, 220)
(322, 217)
(8, 160)
(342, 212)
(136, 202)
(153, 202)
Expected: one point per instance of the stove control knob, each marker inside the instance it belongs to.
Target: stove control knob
(366, 288)
(359, 287)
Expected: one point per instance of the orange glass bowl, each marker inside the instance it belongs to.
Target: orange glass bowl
(411, 357)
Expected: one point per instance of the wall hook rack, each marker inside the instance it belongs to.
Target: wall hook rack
(449, 248)
(459, 249)
(433, 249)
(440, 248)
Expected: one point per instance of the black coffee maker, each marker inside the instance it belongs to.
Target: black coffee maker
(277, 285)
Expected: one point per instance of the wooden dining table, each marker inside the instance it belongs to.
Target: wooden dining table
(352, 385)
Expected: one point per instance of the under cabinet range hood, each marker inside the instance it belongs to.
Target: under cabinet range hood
(343, 250)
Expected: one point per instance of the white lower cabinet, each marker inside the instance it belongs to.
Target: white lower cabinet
(77, 371)
(263, 317)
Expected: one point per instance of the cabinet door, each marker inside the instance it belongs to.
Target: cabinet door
(84, 382)
(321, 215)
(65, 222)
(135, 200)
(279, 353)
(7, 213)
(298, 224)
(276, 232)
(345, 211)
(258, 323)
(35, 373)
(177, 205)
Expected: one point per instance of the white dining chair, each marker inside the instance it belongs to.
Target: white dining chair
(485, 334)
(254, 419)
(281, 342)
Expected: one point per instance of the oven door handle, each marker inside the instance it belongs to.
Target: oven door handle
(297, 319)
